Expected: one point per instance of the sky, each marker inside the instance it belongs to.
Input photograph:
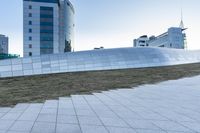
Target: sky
(111, 23)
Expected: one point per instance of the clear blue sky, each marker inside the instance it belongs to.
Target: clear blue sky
(111, 23)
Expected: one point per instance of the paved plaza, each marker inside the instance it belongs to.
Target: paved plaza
(167, 107)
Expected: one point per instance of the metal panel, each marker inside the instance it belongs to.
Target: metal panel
(107, 59)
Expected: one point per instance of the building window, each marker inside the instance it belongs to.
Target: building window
(30, 45)
(30, 38)
(30, 14)
(30, 53)
(46, 30)
(30, 7)
(30, 30)
(30, 22)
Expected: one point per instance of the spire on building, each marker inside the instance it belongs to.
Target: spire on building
(183, 29)
(181, 23)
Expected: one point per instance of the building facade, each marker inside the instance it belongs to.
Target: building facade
(3, 44)
(173, 38)
(48, 27)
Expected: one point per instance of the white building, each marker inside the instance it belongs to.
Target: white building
(3, 44)
(141, 41)
(48, 27)
(173, 38)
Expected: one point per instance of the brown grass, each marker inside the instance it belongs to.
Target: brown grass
(43, 87)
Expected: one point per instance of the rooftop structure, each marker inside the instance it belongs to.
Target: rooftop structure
(173, 38)
(48, 27)
(8, 56)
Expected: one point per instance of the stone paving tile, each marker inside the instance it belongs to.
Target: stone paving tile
(41, 127)
(32, 110)
(142, 124)
(82, 106)
(11, 116)
(19, 108)
(84, 120)
(128, 115)
(152, 116)
(6, 124)
(106, 114)
(46, 118)
(4, 110)
(194, 126)
(120, 130)
(114, 122)
(22, 126)
(85, 112)
(93, 129)
(65, 102)
(66, 111)
(2, 114)
(28, 116)
(172, 126)
(68, 128)
(52, 111)
(51, 104)
(178, 117)
(151, 131)
(67, 119)
(174, 132)
(16, 132)
(36, 105)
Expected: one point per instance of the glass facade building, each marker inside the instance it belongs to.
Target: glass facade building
(48, 27)
(3, 44)
(47, 1)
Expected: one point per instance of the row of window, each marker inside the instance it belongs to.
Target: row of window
(30, 31)
(49, 15)
(46, 29)
(43, 38)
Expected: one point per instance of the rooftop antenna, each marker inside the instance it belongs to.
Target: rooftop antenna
(183, 28)
(182, 24)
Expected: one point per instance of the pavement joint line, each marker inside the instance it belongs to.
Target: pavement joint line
(17, 117)
(76, 115)
(115, 113)
(96, 115)
(37, 117)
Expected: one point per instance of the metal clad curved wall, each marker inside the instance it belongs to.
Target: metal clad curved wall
(107, 59)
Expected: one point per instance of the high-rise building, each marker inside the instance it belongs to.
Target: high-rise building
(48, 27)
(173, 38)
(3, 44)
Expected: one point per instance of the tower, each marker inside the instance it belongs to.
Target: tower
(183, 29)
(48, 26)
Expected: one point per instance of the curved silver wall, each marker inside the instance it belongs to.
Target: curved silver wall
(108, 59)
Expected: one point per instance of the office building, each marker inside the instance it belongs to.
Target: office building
(3, 44)
(48, 27)
(173, 38)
